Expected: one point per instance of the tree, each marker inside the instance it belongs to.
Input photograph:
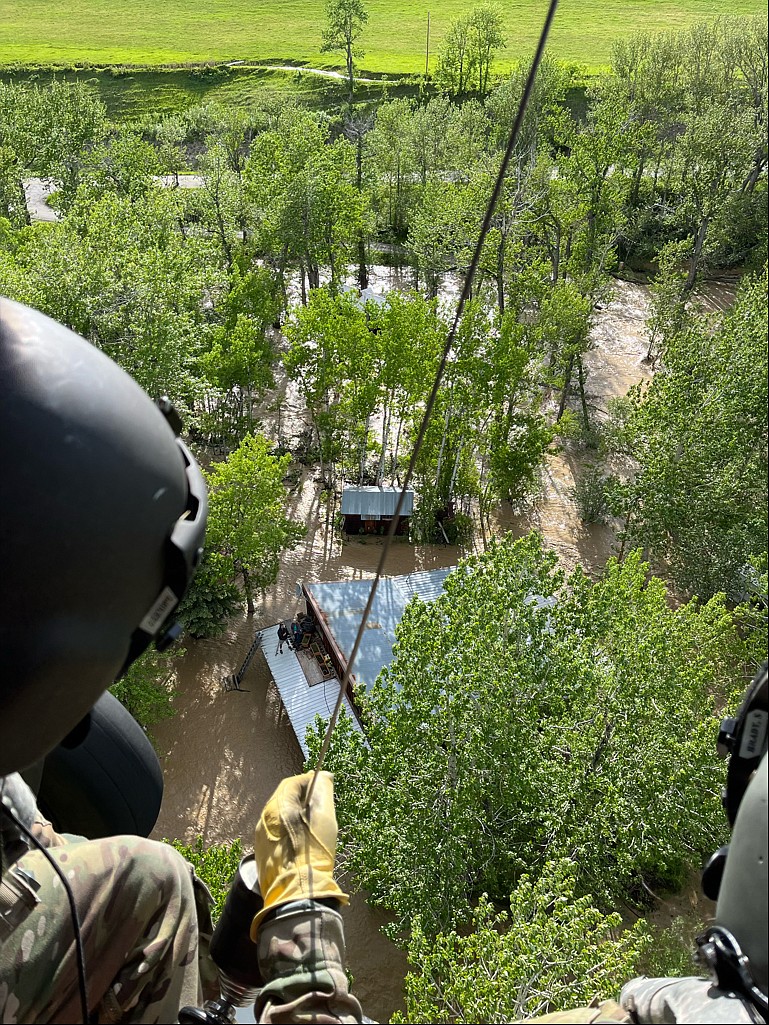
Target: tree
(551, 951)
(389, 161)
(455, 58)
(51, 130)
(345, 20)
(468, 49)
(695, 495)
(239, 358)
(216, 865)
(486, 37)
(212, 599)
(120, 273)
(247, 525)
(330, 356)
(519, 723)
(146, 689)
(305, 194)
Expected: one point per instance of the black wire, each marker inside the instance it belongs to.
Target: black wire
(79, 953)
(464, 296)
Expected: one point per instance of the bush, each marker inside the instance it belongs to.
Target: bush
(216, 865)
(589, 494)
(146, 690)
(211, 601)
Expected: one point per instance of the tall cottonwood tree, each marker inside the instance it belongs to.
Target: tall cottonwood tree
(345, 21)
(248, 529)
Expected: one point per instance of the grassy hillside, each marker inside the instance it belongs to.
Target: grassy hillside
(45, 32)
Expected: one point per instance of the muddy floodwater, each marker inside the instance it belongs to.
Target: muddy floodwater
(224, 752)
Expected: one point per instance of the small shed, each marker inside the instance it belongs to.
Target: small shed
(369, 510)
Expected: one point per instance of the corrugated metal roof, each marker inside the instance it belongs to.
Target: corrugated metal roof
(375, 501)
(301, 701)
(342, 604)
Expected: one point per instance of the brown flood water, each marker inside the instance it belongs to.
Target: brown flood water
(224, 753)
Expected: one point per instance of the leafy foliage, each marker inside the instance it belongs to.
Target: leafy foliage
(529, 717)
(146, 689)
(212, 600)
(215, 865)
(553, 950)
(698, 500)
(247, 532)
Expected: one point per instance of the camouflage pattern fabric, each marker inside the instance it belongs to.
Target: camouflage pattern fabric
(661, 1002)
(696, 1001)
(605, 1011)
(144, 919)
(301, 952)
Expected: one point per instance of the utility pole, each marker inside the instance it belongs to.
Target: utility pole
(427, 48)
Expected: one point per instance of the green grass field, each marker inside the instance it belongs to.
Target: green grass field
(131, 94)
(112, 32)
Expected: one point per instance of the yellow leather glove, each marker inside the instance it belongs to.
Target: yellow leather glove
(294, 847)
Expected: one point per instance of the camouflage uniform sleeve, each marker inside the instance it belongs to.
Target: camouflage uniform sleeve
(16, 795)
(301, 955)
(695, 1001)
(606, 1011)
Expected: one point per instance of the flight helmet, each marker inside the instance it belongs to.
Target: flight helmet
(734, 948)
(102, 521)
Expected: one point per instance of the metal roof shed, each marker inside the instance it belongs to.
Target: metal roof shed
(369, 510)
(375, 502)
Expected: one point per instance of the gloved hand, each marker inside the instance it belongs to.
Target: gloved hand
(294, 847)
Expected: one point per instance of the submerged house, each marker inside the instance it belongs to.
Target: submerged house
(308, 675)
(369, 510)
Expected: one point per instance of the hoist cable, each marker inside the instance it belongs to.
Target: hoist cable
(464, 296)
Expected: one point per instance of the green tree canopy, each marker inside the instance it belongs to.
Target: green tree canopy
(528, 717)
(247, 527)
(696, 494)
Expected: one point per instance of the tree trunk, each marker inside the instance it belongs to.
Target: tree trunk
(501, 274)
(439, 467)
(696, 254)
(396, 450)
(752, 180)
(320, 452)
(385, 435)
(350, 75)
(303, 285)
(565, 392)
(363, 450)
(637, 179)
(582, 399)
(248, 588)
(555, 258)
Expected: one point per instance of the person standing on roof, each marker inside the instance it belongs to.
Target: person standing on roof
(283, 637)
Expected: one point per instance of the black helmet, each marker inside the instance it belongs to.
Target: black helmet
(734, 949)
(102, 517)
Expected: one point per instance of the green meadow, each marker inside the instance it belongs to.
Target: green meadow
(69, 32)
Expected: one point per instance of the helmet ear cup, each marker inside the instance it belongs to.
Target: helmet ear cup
(737, 943)
(103, 522)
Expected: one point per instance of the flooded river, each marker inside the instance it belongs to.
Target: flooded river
(224, 753)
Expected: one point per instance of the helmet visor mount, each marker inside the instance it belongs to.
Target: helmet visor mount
(184, 548)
